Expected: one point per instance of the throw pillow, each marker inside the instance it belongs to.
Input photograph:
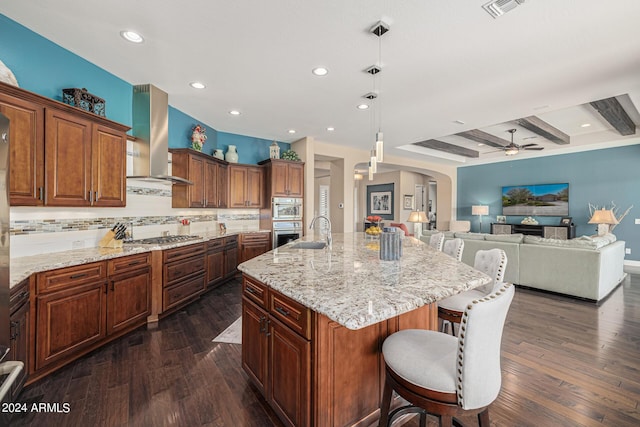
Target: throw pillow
(509, 238)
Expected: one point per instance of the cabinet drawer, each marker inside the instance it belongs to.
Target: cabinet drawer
(182, 252)
(255, 237)
(215, 243)
(178, 270)
(254, 291)
(68, 277)
(18, 295)
(291, 313)
(231, 240)
(128, 263)
(183, 291)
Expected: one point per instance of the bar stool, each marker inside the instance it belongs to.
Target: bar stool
(436, 241)
(454, 248)
(444, 375)
(493, 262)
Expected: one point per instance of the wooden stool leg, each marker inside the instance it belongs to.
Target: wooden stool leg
(423, 419)
(445, 420)
(483, 418)
(385, 404)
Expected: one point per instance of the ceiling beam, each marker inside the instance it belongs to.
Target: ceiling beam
(544, 129)
(614, 113)
(484, 138)
(434, 144)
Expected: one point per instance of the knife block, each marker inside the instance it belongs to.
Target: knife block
(109, 241)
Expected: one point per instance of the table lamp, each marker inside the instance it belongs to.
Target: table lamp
(480, 210)
(603, 217)
(417, 217)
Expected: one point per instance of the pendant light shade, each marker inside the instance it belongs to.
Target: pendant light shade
(374, 162)
(379, 147)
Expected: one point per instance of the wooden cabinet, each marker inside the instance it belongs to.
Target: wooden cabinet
(276, 350)
(26, 183)
(285, 178)
(209, 177)
(81, 308)
(183, 275)
(62, 155)
(246, 186)
(19, 336)
(222, 260)
(253, 244)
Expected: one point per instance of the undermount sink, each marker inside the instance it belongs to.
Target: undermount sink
(309, 245)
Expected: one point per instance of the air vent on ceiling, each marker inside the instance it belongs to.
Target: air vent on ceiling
(497, 8)
(371, 95)
(379, 29)
(374, 69)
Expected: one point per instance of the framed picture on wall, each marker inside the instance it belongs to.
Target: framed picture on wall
(407, 202)
(501, 219)
(566, 220)
(381, 203)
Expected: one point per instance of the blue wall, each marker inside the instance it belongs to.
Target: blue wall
(46, 68)
(598, 177)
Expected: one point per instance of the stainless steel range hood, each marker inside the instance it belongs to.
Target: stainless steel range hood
(151, 128)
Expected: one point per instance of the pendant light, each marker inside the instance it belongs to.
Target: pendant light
(379, 29)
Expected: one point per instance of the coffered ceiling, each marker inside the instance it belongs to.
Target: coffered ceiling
(450, 71)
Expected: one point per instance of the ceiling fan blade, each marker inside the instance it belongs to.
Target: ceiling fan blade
(527, 145)
(533, 148)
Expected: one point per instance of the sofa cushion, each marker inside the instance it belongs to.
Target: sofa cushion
(470, 236)
(430, 233)
(511, 238)
(582, 242)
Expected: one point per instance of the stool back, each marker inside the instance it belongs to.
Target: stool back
(454, 248)
(436, 241)
(492, 262)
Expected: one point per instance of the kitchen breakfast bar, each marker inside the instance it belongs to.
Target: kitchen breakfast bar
(313, 322)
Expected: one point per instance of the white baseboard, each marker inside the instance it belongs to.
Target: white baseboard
(632, 266)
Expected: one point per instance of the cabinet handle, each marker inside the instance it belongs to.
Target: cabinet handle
(267, 327)
(15, 326)
(134, 263)
(105, 287)
(41, 191)
(282, 311)
(250, 290)
(262, 324)
(95, 196)
(90, 197)
(77, 276)
(113, 286)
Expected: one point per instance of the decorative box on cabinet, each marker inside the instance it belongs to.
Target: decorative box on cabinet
(209, 177)
(61, 155)
(501, 229)
(246, 186)
(285, 178)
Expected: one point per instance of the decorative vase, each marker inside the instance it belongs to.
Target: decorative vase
(232, 154)
(218, 154)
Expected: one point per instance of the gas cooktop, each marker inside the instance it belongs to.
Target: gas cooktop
(163, 240)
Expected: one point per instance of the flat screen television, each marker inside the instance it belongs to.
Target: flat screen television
(536, 200)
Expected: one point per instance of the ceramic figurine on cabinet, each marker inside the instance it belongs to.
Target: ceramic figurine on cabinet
(198, 137)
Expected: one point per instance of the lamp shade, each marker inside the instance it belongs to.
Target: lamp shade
(417, 216)
(480, 210)
(603, 216)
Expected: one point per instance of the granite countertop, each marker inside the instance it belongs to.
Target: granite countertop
(352, 286)
(23, 267)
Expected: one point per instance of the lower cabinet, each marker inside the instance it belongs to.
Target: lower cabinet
(80, 308)
(253, 244)
(276, 351)
(183, 276)
(222, 260)
(19, 335)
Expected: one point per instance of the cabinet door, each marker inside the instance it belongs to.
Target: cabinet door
(67, 159)
(237, 186)
(129, 300)
(295, 180)
(279, 186)
(231, 261)
(289, 370)
(26, 150)
(255, 344)
(20, 346)
(223, 186)
(197, 176)
(109, 175)
(254, 187)
(211, 199)
(253, 249)
(215, 267)
(69, 321)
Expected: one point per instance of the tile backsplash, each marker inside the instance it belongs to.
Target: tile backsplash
(40, 230)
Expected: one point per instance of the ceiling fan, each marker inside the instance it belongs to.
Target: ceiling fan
(513, 148)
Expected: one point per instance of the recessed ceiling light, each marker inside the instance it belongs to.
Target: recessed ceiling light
(234, 112)
(585, 125)
(330, 129)
(320, 71)
(363, 106)
(292, 131)
(197, 85)
(480, 144)
(132, 36)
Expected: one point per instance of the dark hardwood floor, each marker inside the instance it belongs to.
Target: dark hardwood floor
(565, 363)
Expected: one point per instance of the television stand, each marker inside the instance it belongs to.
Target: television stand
(549, 231)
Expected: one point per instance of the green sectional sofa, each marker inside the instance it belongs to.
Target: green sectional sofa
(585, 267)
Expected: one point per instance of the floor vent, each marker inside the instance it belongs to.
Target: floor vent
(497, 8)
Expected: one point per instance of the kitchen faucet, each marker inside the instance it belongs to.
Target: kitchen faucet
(329, 238)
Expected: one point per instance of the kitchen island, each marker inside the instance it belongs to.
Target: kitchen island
(314, 321)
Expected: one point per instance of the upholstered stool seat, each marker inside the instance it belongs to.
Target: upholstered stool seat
(459, 302)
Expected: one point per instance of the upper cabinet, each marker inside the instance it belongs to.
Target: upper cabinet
(209, 177)
(246, 186)
(285, 178)
(61, 155)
